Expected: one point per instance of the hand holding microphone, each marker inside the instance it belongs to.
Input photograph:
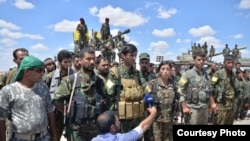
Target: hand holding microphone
(148, 99)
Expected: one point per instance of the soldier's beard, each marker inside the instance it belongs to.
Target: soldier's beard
(88, 69)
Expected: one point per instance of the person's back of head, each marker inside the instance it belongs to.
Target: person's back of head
(105, 121)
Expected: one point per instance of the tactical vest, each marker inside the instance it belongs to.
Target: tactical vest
(86, 102)
(130, 105)
(163, 99)
(10, 76)
(225, 90)
(198, 93)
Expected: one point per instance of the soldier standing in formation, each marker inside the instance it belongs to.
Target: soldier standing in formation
(196, 83)
(83, 30)
(105, 30)
(144, 59)
(226, 50)
(163, 92)
(238, 102)
(211, 52)
(223, 92)
(129, 97)
(246, 94)
(9, 77)
(87, 100)
(95, 42)
(235, 53)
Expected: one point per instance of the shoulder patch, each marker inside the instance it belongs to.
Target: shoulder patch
(182, 82)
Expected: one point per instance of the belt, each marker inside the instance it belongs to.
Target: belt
(27, 136)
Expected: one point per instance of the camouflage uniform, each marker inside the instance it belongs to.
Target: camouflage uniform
(148, 76)
(245, 97)
(223, 85)
(238, 102)
(196, 86)
(162, 127)
(28, 108)
(113, 83)
(6, 79)
(105, 31)
(86, 91)
(53, 80)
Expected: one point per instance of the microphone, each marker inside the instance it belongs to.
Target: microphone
(148, 99)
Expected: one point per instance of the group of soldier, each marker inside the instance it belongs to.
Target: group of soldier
(78, 89)
(226, 51)
(102, 41)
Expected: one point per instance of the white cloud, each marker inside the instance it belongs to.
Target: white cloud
(165, 14)
(202, 31)
(159, 45)
(93, 11)
(211, 41)
(244, 4)
(150, 4)
(118, 17)
(4, 24)
(238, 36)
(65, 26)
(8, 42)
(168, 32)
(183, 41)
(17, 35)
(39, 47)
(23, 4)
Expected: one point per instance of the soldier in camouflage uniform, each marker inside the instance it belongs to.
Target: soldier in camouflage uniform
(238, 102)
(132, 84)
(235, 53)
(95, 42)
(223, 92)
(211, 52)
(83, 30)
(194, 92)
(226, 50)
(28, 103)
(245, 95)
(162, 91)
(105, 30)
(87, 101)
(76, 65)
(9, 77)
(144, 59)
(50, 66)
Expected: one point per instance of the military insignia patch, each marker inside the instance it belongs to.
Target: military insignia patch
(109, 84)
(182, 82)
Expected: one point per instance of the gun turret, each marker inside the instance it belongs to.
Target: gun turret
(122, 33)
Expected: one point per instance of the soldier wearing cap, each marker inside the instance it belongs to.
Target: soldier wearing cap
(223, 92)
(144, 60)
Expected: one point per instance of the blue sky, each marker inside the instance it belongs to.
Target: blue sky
(161, 28)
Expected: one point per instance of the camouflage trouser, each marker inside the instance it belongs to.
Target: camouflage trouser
(8, 130)
(44, 138)
(162, 131)
(199, 116)
(238, 102)
(129, 124)
(86, 132)
(225, 116)
(244, 109)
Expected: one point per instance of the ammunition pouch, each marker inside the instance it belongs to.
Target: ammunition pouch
(221, 97)
(133, 94)
(130, 110)
(194, 96)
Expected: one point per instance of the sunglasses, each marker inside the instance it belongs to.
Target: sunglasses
(38, 70)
